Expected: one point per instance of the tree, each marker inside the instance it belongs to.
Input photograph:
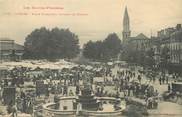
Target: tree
(149, 58)
(93, 50)
(51, 44)
(164, 58)
(111, 46)
(103, 50)
(128, 53)
(131, 54)
(140, 57)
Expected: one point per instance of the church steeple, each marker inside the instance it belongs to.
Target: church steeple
(126, 25)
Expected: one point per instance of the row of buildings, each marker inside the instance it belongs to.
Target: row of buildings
(170, 38)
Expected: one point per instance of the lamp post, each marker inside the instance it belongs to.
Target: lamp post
(0, 52)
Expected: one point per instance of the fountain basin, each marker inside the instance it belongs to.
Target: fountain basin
(67, 108)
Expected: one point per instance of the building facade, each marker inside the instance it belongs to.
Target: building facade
(170, 38)
(175, 47)
(139, 42)
(10, 51)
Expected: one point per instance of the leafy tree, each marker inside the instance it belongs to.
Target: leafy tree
(164, 58)
(51, 44)
(129, 54)
(149, 58)
(103, 50)
(140, 57)
(93, 50)
(111, 46)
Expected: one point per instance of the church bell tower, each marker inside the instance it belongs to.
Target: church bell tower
(126, 25)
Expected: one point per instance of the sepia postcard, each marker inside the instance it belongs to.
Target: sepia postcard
(90, 58)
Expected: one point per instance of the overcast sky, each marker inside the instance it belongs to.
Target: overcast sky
(100, 18)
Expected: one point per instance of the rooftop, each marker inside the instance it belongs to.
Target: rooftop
(9, 44)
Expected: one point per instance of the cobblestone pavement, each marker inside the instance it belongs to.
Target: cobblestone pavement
(165, 109)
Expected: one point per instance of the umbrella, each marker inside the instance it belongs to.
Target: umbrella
(110, 63)
(88, 67)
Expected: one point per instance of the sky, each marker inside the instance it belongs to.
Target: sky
(89, 19)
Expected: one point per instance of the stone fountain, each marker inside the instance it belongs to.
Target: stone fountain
(87, 99)
(85, 104)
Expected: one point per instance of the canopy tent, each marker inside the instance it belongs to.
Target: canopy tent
(88, 67)
(110, 63)
(3, 67)
(121, 62)
(41, 64)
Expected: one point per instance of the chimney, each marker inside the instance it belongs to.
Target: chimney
(178, 27)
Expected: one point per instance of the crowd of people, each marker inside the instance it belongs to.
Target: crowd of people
(57, 82)
(130, 84)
